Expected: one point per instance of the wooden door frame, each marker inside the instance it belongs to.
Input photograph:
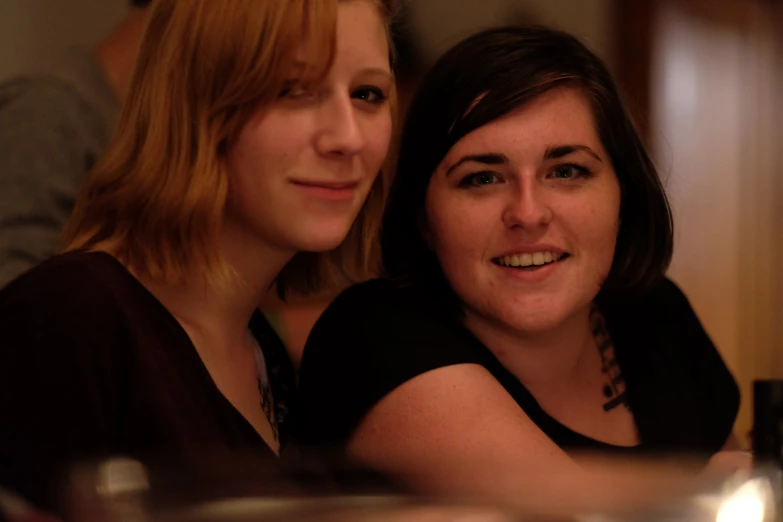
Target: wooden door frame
(633, 38)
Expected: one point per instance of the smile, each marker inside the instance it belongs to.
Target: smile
(333, 185)
(530, 261)
(328, 190)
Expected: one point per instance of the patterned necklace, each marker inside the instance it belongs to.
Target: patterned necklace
(265, 388)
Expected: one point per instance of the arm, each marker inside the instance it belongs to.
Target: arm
(46, 150)
(455, 431)
(730, 458)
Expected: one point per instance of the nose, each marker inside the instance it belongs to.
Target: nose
(340, 133)
(528, 207)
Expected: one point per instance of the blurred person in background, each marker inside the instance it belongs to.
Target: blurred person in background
(525, 317)
(53, 128)
(248, 153)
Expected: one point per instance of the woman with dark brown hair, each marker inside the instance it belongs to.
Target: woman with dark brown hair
(525, 316)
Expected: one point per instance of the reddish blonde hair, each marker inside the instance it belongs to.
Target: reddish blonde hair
(157, 197)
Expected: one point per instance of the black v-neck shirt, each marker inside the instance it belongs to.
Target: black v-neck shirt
(379, 334)
(92, 365)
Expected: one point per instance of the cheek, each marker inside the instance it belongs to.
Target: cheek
(458, 228)
(274, 138)
(377, 133)
(596, 227)
(599, 225)
(609, 215)
(256, 156)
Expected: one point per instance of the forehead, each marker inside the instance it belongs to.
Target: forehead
(361, 33)
(360, 41)
(559, 116)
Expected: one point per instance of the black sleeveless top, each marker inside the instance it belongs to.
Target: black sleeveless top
(379, 334)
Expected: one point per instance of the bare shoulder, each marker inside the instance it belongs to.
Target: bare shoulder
(449, 426)
(454, 431)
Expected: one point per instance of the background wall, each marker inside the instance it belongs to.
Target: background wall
(32, 32)
(716, 80)
(440, 23)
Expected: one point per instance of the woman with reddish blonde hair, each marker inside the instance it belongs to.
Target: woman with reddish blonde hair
(247, 155)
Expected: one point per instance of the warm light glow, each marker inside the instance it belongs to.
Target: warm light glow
(746, 504)
(120, 476)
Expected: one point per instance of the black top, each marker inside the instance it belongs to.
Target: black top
(92, 364)
(379, 334)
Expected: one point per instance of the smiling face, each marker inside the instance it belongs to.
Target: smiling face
(302, 167)
(523, 215)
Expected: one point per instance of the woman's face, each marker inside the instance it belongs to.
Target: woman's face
(303, 166)
(523, 215)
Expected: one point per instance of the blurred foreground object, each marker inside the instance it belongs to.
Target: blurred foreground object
(767, 436)
(768, 422)
(124, 490)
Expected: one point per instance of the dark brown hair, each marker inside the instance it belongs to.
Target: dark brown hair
(485, 77)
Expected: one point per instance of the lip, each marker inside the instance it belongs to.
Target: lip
(531, 249)
(532, 276)
(536, 275)
(332, 190)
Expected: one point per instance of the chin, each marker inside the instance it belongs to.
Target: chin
(532, 320)
(321, 243)
(318, 234)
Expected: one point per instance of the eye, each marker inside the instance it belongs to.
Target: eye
(369, 94)
(479, 179)
(569, 171)
(293, 90)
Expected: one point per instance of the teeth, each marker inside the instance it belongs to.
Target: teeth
(534, 259)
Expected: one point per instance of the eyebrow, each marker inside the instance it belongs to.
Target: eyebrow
(496, 158)
(492, 158)
(559, 151)
(378, 71)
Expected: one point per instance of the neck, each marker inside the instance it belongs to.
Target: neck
(117, 52)
(544, 359)
(219, 316)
